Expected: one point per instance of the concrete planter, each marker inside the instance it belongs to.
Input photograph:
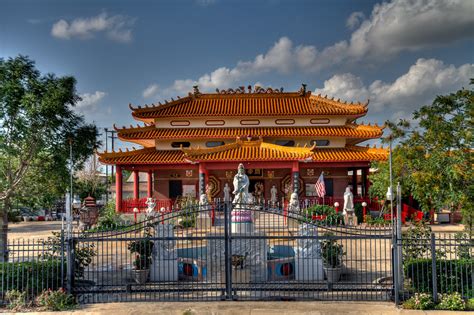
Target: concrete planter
(333, 274)
(141, 276)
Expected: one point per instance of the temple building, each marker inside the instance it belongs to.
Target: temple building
(192, 145)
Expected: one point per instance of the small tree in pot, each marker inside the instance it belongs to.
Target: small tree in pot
(331, 253)
(142, 249)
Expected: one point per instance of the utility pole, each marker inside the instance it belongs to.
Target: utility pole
(106, 170)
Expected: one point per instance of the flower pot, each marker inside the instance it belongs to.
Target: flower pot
(141, 276)
(333, 274)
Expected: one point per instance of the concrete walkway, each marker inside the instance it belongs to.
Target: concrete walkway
(246, 308)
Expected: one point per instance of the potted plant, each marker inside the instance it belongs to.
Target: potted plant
(331, 253)
(142, 249)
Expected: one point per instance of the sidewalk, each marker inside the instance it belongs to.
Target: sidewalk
(246, 308)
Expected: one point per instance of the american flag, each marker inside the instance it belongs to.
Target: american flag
(320, 186)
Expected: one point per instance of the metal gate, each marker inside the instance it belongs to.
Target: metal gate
(235, 252)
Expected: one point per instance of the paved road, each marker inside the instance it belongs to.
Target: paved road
(247, 308)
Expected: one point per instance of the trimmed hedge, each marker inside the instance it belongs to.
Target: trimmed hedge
(31, 276)
(451, 275)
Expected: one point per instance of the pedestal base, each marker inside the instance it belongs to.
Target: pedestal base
(164, 270)
(309, 269)
(242, 227)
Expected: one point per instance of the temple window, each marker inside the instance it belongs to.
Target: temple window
(285, 143)
(320, 143)
(184, 144)
(211, 144)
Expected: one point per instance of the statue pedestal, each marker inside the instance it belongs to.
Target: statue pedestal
(164, 266)
(308, 262)
(350, 219)
(242, 222)
(249, 258)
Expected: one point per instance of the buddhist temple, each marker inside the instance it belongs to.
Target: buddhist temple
(192, 145)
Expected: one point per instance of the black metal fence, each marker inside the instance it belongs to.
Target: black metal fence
(438, 264)
(239, 252)
(33, 265)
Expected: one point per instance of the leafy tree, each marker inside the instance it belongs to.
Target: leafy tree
(434, 159)
(37, 120)
(88, 180)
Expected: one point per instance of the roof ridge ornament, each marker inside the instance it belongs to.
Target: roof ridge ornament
(302, 90)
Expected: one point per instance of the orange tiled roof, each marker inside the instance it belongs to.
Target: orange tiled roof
(142, 156)
(144, 135)
(249, 104)
(255, 150)
(244, 151)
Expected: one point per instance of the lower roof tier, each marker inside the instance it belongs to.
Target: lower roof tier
(243, 151)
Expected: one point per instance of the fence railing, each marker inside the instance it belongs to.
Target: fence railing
(33, 265)
(432, 263)
(438, 264)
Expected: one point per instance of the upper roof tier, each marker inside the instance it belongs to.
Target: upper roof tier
(257, 102)
(147, 134)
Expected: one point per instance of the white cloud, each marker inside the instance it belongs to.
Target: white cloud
(400, 25)
(355, 19)
(150, 91)
(116, 27)
(90, 101)
(425, 79)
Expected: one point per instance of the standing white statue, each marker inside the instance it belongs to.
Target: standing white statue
(241, 186)
(273, 195)
(348, 210)
(226, 192)
(348, 201)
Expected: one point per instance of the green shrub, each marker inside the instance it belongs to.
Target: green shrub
(321, 210)
(57, 300)
(31, 277)
(420, 301)
(375, 221)
(470, 304)
(451, 302)
(84, 252)
(16, 300)
(451, 275)
(411, 238)
(465, 245)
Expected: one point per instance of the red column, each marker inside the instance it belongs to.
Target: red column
(136, 185)
(118, 189)
(150, 184)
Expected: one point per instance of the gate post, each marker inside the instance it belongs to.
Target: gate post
(433, 268)
(395, 269)
(70, 264)
(227, 254)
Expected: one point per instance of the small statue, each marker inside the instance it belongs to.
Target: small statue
(294, 204)
(273, 195)
(259, 192)
(150, 210)
(226, 192)
(209, 189)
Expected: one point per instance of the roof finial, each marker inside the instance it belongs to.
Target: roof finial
(303, 89)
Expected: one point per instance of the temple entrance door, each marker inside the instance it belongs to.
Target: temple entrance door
(175, 189)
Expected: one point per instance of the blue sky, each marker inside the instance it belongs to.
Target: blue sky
(399, 54)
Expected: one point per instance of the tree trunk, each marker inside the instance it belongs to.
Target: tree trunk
(4, 230)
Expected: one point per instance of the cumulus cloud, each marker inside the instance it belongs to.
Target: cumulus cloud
(116, 28)
(90, 101)
(393, 27)
(424, 79)
(355, 19)
(150, 91)
(402, 25)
